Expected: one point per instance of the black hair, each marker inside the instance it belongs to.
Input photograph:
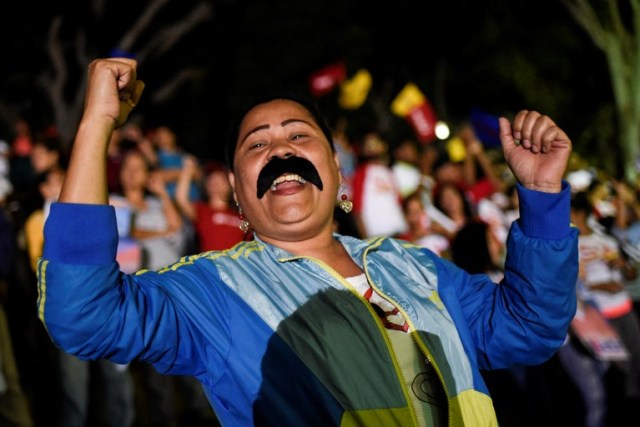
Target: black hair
(309, 105)
(470, 248)
(467, 205)
(580, 202)
(53, 143)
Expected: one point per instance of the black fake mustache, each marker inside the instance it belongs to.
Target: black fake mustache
(279, 166)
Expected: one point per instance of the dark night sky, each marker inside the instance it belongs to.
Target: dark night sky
(499, 56)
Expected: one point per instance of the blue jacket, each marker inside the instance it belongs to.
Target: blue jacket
(282, 340)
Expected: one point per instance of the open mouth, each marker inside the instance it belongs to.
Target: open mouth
(280, 173)
(291, 177)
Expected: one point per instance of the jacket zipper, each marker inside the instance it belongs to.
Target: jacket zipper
(379, 324)
(413, 332)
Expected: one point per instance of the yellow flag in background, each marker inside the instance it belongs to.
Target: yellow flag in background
(413, 106)
(456, 149)
(354, 91)
(407, 99)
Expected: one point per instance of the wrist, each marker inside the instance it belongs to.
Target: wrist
(545, 188)
(95, 130)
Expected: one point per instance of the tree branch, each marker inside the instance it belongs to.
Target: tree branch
(587, 18)
(168, 37)
(169, 88)
(128, 40)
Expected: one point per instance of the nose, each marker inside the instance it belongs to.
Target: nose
(283, 150)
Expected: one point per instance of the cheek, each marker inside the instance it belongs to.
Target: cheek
(446, 202)
(331, 176)
(244, 191)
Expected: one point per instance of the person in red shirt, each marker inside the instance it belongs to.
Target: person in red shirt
(217, 223)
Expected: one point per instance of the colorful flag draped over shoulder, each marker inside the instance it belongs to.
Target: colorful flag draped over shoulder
(486, 126)
(327, 78)
(354, 91)
(411, 104)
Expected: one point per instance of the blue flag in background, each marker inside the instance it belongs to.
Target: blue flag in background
(116, 52)
(486, 127)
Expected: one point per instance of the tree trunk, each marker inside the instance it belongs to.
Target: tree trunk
(621, 47)
(629, 137)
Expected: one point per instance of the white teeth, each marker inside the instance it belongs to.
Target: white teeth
(285, 178)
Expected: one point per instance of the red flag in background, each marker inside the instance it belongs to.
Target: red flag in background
(326, 79)
(411, 104)
(423, 121)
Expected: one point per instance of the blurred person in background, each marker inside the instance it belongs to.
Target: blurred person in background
(216, 220)
(74, 374)
(406, 166)
(479, 173)
(454, 204)
(169, 158)
(46, 153)
(377, 202)
(15, 408)
(21, 144)
(422, 231)
(603, 271)
(346, 154)
(158, 227)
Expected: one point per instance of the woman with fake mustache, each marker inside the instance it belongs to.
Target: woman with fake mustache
(302, 326)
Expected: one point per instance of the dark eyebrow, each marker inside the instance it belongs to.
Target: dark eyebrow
(283, 123)
(257, 128)
(289, 121)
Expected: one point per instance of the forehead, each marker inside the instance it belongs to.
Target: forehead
(163, 132)
(273, 113)
(41, 148)
(217, 174)
(414, 203)
(133, 158)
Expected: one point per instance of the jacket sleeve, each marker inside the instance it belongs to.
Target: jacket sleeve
(93, 310)
(525, 318)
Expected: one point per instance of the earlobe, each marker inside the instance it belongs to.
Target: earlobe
(232, 181)
(336, 159)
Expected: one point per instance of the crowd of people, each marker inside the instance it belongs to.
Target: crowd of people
(170, 204)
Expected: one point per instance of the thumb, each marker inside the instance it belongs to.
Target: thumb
(506, 135)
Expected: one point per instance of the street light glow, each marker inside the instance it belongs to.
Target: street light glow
(442, 130)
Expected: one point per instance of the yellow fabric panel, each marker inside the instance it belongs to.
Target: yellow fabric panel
(472, 408)
(388, 417)
(42, 288)
(469, 408)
